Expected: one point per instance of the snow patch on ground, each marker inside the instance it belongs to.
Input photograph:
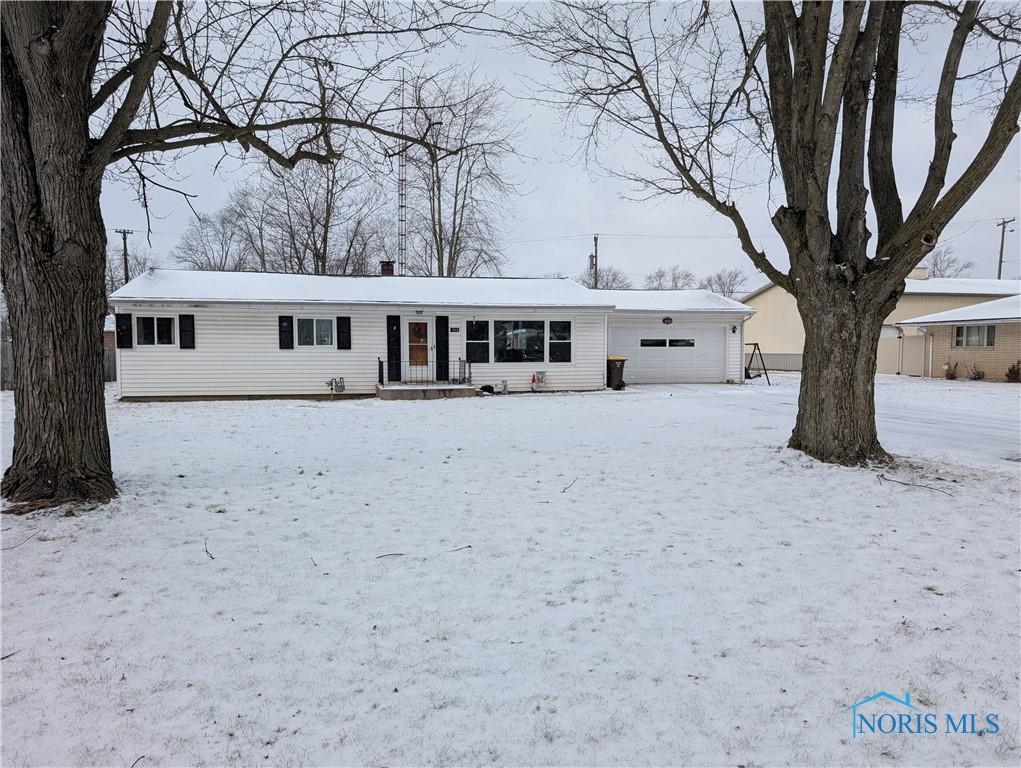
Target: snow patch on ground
(645, 577)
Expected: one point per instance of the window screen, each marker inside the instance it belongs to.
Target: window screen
(476, 345)
(324, 333)
(519, 341)
(560, 341)
(306, 332)
(164, 330)
(145, 330)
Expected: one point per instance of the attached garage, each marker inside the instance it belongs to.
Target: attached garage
(670, 337)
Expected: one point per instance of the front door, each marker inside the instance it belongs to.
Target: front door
(419, 349)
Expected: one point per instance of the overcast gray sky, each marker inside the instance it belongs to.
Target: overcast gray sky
(549, 227)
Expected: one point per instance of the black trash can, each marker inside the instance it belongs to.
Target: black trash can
(615, 371)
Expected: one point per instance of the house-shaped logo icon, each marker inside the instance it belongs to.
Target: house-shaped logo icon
(853, 709)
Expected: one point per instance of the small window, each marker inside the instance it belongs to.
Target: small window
(164, 330)
(652, 343)
(560, 341)
(324, 333)
(519, 341)
(476, 345)
(682, 342)
(974, 335)
(145, 331)
(315, 332)
(151, 331)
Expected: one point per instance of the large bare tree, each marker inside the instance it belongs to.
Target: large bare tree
(813, 88)
(92, 88)
(459, 200)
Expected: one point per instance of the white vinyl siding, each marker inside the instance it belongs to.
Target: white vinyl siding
(237, 351)
(735, 351)
(587, 369)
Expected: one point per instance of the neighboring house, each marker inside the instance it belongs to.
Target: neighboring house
(109, 328)
(777, 326)
(985, 337)
(206, 334)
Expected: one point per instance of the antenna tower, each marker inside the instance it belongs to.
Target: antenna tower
(402, 194)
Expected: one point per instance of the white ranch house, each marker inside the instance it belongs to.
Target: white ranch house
(184, 334)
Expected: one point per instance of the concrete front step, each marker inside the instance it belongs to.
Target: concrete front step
(425, 391)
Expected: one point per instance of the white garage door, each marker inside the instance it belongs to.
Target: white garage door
(667, 354)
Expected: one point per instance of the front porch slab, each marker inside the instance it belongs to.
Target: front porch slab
(425, 391)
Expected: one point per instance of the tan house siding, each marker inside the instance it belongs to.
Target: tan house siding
(993, 360)
(776, 324)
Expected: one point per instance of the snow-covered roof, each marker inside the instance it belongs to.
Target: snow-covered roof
(950, 286)
(963, 286)
(260, 287)
(998, 310)
(691, 300)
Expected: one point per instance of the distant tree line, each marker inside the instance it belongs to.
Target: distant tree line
(726, 282)
(341, 219)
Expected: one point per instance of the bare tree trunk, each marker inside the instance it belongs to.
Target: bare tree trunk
(836, 407)
(54, 246)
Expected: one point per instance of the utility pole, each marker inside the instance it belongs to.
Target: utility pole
(1003, 233)
(124, 235)
(593, 261)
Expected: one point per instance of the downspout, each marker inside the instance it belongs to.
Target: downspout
(740, 351)
(929, 341)
(606, 345)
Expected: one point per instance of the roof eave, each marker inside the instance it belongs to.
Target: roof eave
(120, 300)
(922, 322)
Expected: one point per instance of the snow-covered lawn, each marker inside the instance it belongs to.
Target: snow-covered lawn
(645, 577)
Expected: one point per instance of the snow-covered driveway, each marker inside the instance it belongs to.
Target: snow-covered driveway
(644, 577)
(933, 417)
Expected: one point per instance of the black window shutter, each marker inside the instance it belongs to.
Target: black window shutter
(186, 331)
(442, 348)
(393, 347)
(286, 329)
(343, 333)
(123, 331)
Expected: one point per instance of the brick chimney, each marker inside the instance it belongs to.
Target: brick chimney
(386, 268)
